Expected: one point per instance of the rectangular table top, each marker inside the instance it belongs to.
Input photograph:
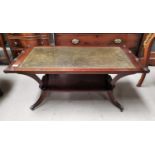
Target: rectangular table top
(76, 59)
(108, 57)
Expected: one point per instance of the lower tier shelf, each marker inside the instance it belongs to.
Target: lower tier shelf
(76, 82)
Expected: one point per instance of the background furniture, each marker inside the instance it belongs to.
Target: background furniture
(147, 59)
(152, 50)
(2, 44)
(21, 41)
(131, 40)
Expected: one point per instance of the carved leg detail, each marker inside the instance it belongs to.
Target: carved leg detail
(139, 84)
(114, 101)
(43, 95)
(117, 77)
(1, 93)
(35, 77)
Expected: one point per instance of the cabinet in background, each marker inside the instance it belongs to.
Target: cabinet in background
(131, 40)
(21, 41)
(5, 58)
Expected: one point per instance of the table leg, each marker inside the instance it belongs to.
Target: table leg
(43, 95)
(46, 85)
(44, 92)
(110, 92)
(139, 84)
(114, 101)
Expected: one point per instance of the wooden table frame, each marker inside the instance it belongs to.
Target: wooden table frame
(31, 72)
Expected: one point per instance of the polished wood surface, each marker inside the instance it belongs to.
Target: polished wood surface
(76, 82)
(16, 66)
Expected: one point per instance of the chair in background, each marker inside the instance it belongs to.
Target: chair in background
(150, 37)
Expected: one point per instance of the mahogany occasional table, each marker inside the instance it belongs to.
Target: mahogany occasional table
(76, 68)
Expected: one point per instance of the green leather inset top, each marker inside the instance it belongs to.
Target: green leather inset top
(77, 57)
